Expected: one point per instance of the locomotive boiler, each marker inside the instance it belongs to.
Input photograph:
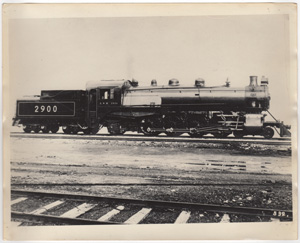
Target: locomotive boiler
(122, 105)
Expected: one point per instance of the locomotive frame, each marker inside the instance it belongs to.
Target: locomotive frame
(172, 109)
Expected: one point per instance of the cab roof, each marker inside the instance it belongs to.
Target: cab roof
(104, 83)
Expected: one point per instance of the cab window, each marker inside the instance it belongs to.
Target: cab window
(106, 94)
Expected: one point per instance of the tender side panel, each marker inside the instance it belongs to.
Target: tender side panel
(45, 109)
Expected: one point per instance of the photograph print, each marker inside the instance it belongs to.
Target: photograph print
(121, 120)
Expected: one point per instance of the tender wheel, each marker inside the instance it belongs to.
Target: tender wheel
(37, 129)
(238, 134)
(268, 132)
(54, 128)
(45, 129)
(27, 129)
(74, 130)
(67, 130)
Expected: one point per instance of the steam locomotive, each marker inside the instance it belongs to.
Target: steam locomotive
(122, 105)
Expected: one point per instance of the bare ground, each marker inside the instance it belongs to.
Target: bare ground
(245, 175)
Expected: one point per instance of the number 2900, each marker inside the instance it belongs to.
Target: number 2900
(44, 108)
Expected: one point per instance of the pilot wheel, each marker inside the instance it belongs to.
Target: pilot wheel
(268, 132)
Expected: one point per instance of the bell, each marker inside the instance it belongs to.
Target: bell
(199, 82)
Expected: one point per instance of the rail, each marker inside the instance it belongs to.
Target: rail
(138, 212)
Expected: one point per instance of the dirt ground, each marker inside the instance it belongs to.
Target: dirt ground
(243, 175)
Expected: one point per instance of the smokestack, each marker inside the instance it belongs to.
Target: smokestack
(253, 81)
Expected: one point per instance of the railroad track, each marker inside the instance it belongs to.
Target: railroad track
(135, 137)
(41, 208)
(279, 184)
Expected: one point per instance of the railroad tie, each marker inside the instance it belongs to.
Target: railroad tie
(183, 217)
(111, 213)
(274, 220)
(139, 216)
(225, 218)
(47, 207)
(20, 199)
(77, 211)
(15, 224)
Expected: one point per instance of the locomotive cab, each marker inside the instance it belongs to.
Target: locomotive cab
(102, 97)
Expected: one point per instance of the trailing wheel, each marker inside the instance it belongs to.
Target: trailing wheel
(268, 132)
(116, 133)
(115, 129)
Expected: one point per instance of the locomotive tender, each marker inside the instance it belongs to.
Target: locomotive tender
(172, 109)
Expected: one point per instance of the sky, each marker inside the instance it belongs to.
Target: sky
(65, 53)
